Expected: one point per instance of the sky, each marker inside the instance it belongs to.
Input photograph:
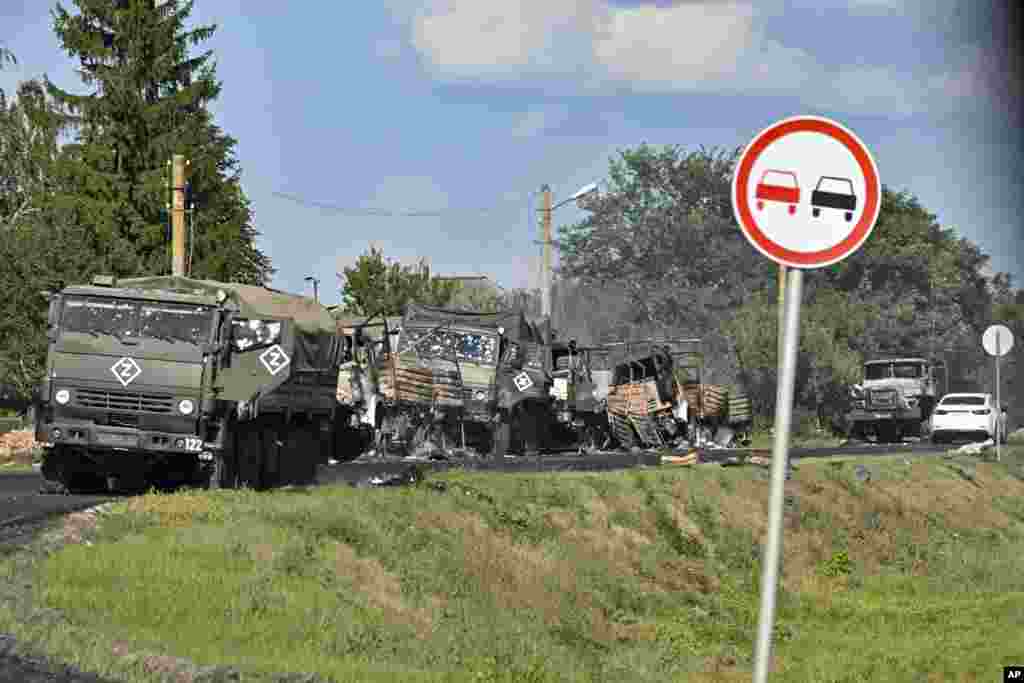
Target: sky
(462, 109)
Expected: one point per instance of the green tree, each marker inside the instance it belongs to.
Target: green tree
(147, 102)
(373, 285)
(665, 231)
(41, 245)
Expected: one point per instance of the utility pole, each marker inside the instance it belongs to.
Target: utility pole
(545, 278)
(178, 216)
(316, 292)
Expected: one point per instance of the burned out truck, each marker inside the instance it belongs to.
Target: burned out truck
(578, 393)
(364, 340)
(658, 397)
(185, 381)
(455, 378)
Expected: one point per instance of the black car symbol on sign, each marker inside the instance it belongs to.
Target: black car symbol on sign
(834, 193)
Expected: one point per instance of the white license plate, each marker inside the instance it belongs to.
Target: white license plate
(193, 444)
(883, 416)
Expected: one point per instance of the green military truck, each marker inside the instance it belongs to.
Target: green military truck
(185, 381)
(461, 378)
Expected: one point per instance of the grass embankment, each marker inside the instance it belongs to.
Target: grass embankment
(628, 576)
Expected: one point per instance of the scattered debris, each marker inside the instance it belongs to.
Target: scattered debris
(691, 458)
(408, 476)
(974, 448)
(724, 437)
(862, 473)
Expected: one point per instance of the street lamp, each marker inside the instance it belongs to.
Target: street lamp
(316, 292)
(546, 222)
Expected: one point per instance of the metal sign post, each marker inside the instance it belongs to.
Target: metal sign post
(997, 341)
(798, 229)
(780, 461)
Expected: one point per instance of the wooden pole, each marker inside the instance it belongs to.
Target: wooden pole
(178, 217)
(545, 278)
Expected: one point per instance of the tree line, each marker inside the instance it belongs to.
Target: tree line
(84, 175)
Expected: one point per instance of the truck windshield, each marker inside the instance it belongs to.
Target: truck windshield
(100, 316)
(877, 371)
(452, 345)
(907, 370)
(133, 319)
(176, 322)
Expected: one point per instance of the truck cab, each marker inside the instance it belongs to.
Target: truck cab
(150, 378)
(894, 399)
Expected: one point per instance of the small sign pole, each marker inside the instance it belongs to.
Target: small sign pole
(999, 405)
(780, 455)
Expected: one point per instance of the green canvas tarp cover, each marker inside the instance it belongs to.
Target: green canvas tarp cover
(517, 329)
(314, 326)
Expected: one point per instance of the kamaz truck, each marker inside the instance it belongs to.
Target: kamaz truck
(184, 381)
(895, 399)
(454, 378)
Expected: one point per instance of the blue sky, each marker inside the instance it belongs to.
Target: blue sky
(467, 107)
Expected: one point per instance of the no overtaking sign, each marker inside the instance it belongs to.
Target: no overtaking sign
(806, 194)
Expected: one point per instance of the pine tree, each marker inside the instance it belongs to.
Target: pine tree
(148, 102)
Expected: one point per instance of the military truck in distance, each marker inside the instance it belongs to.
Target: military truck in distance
(895, 399)
(185, 381)
(457, 378)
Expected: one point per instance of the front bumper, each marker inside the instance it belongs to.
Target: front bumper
(96, 437)
(865, 415)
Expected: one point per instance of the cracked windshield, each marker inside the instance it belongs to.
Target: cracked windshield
(130, 320)
(172, 323)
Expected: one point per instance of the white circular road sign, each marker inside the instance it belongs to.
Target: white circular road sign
(806, 192)
(997, 340)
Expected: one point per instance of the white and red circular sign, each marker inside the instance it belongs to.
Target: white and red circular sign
(806, 192)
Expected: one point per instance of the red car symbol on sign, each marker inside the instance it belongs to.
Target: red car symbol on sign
(778, 186)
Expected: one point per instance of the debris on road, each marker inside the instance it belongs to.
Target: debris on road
(18, 447)
(973, 448)
(691, 458)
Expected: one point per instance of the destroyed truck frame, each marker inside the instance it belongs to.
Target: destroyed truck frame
(658, 395)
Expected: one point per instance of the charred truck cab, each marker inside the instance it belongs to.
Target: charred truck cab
(453, 377)
(169, 379)
(578, 405)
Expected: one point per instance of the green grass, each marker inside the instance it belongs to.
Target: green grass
(646, 575)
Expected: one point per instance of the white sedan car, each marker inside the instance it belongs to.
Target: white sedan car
(972, 415)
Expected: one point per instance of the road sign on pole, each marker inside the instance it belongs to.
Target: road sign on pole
(806, 194)
(997, 341)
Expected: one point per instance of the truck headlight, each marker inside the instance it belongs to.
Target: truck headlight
(62, 396)
(186, 406)
(479, 395)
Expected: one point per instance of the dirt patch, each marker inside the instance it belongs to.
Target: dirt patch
(381, 587)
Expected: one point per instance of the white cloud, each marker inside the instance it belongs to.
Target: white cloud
(714, 47)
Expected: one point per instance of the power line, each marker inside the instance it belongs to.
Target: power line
(365, 211)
